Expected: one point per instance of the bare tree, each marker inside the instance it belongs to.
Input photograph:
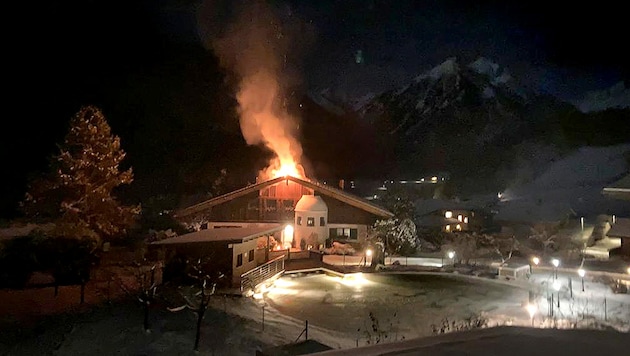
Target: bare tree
(197, 297)
(143, 288)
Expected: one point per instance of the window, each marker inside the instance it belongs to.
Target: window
(322, 221)
(310, 221)
(250, 255)
(345, 232)
(299, 220)
(448, 214)
(447, 228)
(460, 217)
(465, 219)
(239, 260)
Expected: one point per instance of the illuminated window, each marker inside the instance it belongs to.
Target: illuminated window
(322, 221)
(447, 228)
(448, 214)
(466, 220)
(239, 260)
(250, 255)
(458, 227)
(299, 220)
(460, 217)
(310, 221)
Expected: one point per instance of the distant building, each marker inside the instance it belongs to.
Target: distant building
(620, 226)
(455, 220)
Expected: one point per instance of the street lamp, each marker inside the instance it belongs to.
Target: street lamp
(536, 261)
(556, 285)
(451, 255)
(532, 309)
(368, 253)
(582, 273)
(555, 262)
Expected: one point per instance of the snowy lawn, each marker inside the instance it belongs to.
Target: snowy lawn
(337, 310)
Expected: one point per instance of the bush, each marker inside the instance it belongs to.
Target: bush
(69, 260)
(18, 260)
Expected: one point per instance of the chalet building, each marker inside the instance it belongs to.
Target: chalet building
(285, 213)
(620, 227)
(455, 220)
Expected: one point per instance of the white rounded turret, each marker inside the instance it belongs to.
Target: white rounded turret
(311, 203)
(311, 222)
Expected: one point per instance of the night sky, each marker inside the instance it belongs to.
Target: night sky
(60, 55)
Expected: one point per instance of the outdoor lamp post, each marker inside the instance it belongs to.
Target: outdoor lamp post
(532, 309)
(451, 255)
(556, 285)
(582, 273)
(555, 262)
(536, 261)
(368, 253)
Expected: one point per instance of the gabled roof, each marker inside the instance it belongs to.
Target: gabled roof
(619, 189)
(335, 193)
(236, 235)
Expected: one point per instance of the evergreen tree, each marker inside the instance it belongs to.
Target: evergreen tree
(77, 194)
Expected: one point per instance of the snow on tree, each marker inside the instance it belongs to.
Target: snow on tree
(78, 192)
(399, 236)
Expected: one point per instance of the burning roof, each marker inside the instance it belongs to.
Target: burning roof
(323, 189)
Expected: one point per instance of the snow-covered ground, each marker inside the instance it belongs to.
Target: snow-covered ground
(337, 310)
(568, 185)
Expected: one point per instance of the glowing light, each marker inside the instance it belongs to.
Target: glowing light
(581, 272)
(354, 280)
(531, 309)
(283, 167)
(448, 214)
(368, 252)
(556, 285)
(555, 262)
(628, 270)
(536, 260)
(451, 254)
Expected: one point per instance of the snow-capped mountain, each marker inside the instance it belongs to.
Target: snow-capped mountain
(457, 113)
(617, 96)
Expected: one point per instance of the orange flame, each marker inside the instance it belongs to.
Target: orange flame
(279, 167)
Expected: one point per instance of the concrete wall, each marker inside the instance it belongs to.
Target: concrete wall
(242, 248)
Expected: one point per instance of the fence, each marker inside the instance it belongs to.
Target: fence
(253, 278)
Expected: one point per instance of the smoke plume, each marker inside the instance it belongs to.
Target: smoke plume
(255, 46)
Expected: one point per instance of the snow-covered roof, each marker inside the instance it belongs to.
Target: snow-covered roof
(234, 234)
(501, 340)
(619, 189)
(23, 230)
(621, 228)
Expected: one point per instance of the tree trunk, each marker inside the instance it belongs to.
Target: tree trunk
(146, 315)
(200, 312)
(82, 292)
